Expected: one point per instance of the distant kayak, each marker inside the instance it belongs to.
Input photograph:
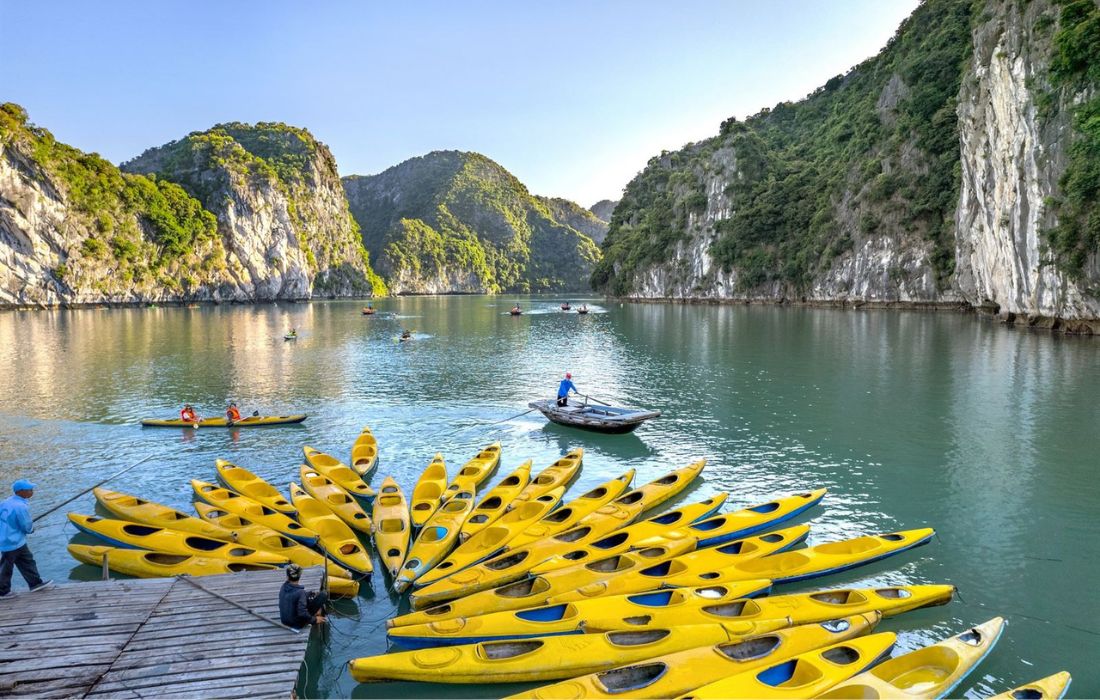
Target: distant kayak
(368, 312)
(566, 306)
(249, 422)
(582, 311)
(514, 312)
(290, 336)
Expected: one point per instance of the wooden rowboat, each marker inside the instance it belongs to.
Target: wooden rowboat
(601, 419)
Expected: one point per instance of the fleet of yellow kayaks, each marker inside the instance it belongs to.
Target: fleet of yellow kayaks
(364, 454)
(827, 558)
(804, 676)
(248, 422)
(336, 539)
(339, 473)
(800, 608)
(675, 674)
(929, 672)
(263, 538)
(672, 524)
(476, 471)
(567, 618)
(248, 484)
(587, 540)
(428, 492)
(494, 503)
(125, 534)
(1043, 689)
(535, 659)
(572, 512)
(139, 510)
(723, 528)
(696, 568)
(253, 510)
(436, 539)
(493, 538)
(335, 499)
(392, 527)
(530, 592)
(560, 473)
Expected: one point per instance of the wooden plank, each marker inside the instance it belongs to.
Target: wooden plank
(272, 689)
(148, 678)
(66, 661)
(132, 659)
(66, 622)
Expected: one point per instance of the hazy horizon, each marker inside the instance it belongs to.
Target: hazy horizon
(571, 98)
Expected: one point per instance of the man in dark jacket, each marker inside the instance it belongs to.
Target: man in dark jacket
(298, 607)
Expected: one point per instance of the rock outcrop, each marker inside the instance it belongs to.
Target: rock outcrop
(456, 222)
(603, 209)
(237, 213)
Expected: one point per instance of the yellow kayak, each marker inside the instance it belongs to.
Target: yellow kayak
(335, 499)
(428, 492)
(560, 473)
(587, 540)
(392, 526)
(476, 471)
(265, 539)
(339, 473)
(748, 521)
(337, 540)
(128, 535)
(493, 538)
(253, 510)
(663, 488)
(800, 608)
(530, 592)
(364, 454)
(1043, 689)
(249, 422)
(568, 618)
(246, 483)
(436, 539)
(675, 674)
(535, 659)
(495, 502)
(572, 512)
(806, 675)
(694, 568)
(139, 510)
(145, 564)
(828, 558)
(929, 672)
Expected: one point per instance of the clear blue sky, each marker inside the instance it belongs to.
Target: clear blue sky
(573, 97)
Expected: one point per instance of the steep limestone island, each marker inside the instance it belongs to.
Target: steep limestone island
(236, 213)
(456, 222)
(958, 167)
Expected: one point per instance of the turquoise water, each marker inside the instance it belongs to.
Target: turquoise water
(987, 433)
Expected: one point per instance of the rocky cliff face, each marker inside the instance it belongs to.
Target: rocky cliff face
(932, 187)
(1013, 156)
(75, 229)
(603, 209)
(454, 222)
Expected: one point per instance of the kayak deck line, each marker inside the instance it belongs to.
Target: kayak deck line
(248, 653)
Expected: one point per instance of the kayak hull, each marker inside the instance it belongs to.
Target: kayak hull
(249, 422)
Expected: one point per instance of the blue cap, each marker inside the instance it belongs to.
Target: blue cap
(22, 485)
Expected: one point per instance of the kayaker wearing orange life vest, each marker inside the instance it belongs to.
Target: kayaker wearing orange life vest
(232, 414)
(188, 415)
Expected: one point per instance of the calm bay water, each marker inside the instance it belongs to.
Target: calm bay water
(987, 433)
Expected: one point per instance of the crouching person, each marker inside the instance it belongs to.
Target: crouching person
(298, 607)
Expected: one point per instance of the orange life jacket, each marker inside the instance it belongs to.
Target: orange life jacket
(188, 414)
(233, 414)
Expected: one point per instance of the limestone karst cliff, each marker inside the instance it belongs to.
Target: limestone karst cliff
(934, 173)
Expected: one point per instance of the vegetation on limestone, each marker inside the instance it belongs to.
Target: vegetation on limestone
(1075, 67)
(462, 217)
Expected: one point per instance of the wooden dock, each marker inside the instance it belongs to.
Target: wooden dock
(152, 638)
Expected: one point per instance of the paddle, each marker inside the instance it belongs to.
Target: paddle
(604, 403)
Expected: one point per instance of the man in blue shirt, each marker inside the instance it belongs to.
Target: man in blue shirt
(15, 525)
(564, 388)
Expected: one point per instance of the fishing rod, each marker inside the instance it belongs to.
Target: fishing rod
(94, 486)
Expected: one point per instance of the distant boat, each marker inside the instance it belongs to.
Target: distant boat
(601, 419)
(565, 306)
(368, 311)
(515, 311)
(583, 310)
(290, 336)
